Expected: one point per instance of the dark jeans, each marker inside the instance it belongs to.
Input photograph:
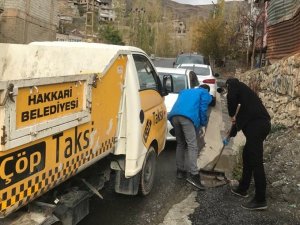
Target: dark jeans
(255, 132)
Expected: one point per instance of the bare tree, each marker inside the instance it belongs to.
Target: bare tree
(254, 21)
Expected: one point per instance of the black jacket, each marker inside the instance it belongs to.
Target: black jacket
(252, 107)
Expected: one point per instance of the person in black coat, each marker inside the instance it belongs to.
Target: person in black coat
(254, 121)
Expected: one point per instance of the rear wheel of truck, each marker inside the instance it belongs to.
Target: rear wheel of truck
(148, 172)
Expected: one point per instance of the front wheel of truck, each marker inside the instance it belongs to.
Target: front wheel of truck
(148, 172)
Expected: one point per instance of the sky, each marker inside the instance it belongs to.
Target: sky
(200, 2)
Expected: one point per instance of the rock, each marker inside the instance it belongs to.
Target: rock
(278, 183)
(286, 190)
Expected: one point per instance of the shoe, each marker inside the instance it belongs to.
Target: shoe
(238, 192)
(181, 174)
(255, 205)
(195, 180)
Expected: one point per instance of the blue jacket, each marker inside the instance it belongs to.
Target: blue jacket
(192, 104)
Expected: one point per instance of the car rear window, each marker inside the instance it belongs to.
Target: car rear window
(190, 59)
(198, 70)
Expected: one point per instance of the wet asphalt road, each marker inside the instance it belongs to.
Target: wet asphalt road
(117, 209)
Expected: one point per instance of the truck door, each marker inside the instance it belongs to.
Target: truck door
(152, 103)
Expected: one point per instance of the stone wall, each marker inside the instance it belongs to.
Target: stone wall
(278, 86)
(28, 20)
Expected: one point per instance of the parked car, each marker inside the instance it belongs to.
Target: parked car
(182, 79)
(205, 76)
(190, 58)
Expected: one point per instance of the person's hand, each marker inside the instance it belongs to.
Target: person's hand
(226, 141)
(233, 120)
(233, 131)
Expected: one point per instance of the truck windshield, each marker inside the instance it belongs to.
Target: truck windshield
(146, 73)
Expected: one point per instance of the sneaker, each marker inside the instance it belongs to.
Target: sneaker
(255, 205)
(181, 174)
(195, 180)
(238, 192)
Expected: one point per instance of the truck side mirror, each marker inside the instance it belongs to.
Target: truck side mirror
(168, 85)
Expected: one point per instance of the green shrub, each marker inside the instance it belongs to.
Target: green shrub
(238, 168)
(277, 127)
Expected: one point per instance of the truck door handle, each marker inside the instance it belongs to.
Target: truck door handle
(142, 116)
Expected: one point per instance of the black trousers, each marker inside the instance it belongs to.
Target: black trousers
(255, 132)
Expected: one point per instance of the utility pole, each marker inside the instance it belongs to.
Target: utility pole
(248, 32)
(262, 34)
(25, 31)
(1, 11)
(89, 21)
(2, 6)
(214, 15)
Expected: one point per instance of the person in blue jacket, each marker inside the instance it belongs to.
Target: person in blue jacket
(188, 117)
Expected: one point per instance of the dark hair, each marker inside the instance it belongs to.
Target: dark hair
(232, 81)
(193, 79)
(205, 86)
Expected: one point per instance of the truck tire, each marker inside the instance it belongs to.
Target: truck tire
(148, 172)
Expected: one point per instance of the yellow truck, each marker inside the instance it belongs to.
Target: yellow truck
(70, 114)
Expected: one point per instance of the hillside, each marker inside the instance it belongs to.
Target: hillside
(179, 11)
(175, 18)
(184, 11)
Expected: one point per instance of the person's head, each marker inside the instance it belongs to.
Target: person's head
(193, 79)
(205, 86)
(233, 82)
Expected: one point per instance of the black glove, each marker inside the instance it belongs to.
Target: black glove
(233, 131)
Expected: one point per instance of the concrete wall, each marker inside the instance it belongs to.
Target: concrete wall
(28, 20)
(278, 86)
(68, 37)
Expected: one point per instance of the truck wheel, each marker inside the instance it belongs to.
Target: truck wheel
(148, 172)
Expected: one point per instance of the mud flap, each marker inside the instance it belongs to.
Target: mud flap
(73, 207)
(127, 186)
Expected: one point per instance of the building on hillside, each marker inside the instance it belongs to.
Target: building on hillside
(28, 20)
(179, 35)
(103, 7)
(89, 5)
(106, 12)
(283, 28)
(179, 28)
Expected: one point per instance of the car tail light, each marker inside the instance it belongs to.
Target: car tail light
(209, 81)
